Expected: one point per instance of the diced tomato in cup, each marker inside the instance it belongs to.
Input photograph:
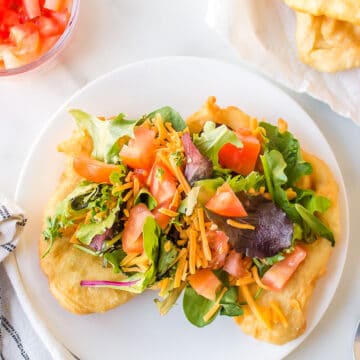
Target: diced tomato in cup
(29, 28)
(241, 160)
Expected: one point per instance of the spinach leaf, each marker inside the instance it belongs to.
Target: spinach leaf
(315, 224)
(311, 201)
(170, 115)
(196, 307)
(212, 139)
(289, 147)
(229, 303)
(105, 134)
(145, 197)
(241, 183)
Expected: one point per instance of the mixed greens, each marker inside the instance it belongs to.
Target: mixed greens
(200, 213)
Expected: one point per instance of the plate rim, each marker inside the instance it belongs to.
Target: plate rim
(54, 346)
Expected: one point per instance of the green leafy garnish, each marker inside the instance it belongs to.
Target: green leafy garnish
(87, 232)
(229, 303)
(166, 258)
(208, 188)
(187, 206)
(114, 258)
(105, 134)
(145, 197)
(168, 114)
(244, 183)
(289, 147)
(315, 224)
(212, 139)
(196, 307)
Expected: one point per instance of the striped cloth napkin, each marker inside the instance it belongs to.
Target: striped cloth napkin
(17, 338)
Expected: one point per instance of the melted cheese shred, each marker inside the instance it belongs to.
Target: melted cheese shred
(257, 279)
(279, 314)
(258, 313)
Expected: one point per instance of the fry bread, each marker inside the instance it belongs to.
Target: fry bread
(295, 297)
(327, 44)
(346, 10)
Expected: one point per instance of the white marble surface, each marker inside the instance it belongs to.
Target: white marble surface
(114, 33)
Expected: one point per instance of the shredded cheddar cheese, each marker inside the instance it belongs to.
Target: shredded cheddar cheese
(205, 244)
(239, 225)
(257, 279)
(215, 307)
(254, 307)
(168, 212)
(276, 309)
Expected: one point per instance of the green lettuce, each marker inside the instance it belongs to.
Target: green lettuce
(212, 139)
(244, 183)
(144, 196)
(289, 148)
(105, 134)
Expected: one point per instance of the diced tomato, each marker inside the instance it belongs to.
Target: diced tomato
(241, 160)
(28, 30)
(280, 273)
(132, 240)
(235, 265)
(48, 42)
(53, 4)
(205, 283)
(162, 219)
(225, 202)
(61, 17)
(47, 26)
(142, 175)
(219, 246)
(139, 153)
(93, 170)
(162, 183)
(32, 8)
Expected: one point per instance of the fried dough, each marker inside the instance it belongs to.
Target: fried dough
(346, 10)
(295, 297)
(327, 44)
(65, 266)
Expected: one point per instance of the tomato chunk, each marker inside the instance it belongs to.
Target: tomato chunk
(225, 202)
(162, 183)
(139, 153)
(241, 160)
(219, 246)
(205, 283)
(132, 240)
(235, 265)
(93, 170)
(32, 8)
(280, 273)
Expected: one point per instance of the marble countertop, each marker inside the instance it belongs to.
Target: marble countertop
(113, 33)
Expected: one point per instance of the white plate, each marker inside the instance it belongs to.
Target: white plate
(136, 330)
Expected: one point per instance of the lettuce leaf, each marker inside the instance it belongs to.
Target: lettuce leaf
(105, 134)
(145, 197)
(212, 139)
(170, 115)
(289, 147)
(244, 183)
